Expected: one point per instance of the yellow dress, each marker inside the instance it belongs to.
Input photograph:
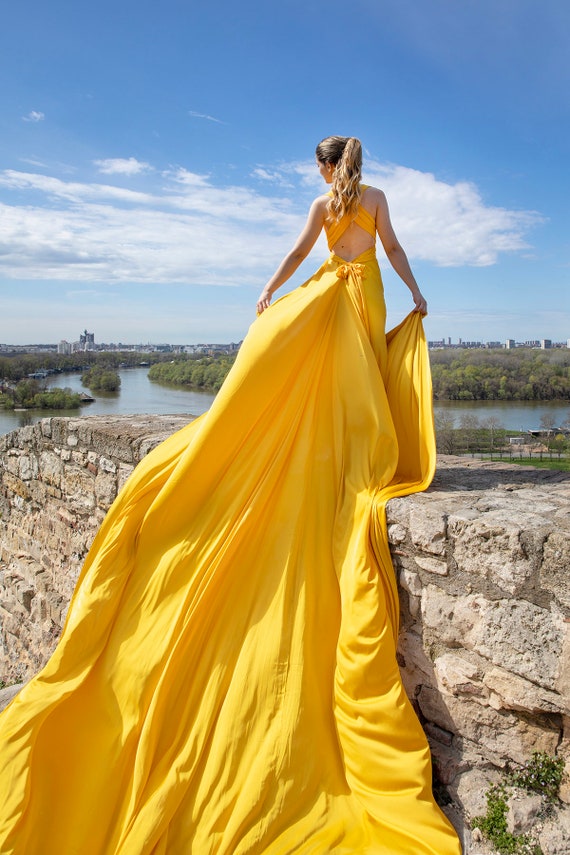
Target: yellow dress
(226, 681)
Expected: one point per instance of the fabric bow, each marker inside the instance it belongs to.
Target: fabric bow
(344, 271)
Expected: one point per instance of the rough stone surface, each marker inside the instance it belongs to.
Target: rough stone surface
(483, 560)
(554, 837)
(523, 812)
(57, 480)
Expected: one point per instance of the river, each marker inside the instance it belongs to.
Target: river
(138, 395)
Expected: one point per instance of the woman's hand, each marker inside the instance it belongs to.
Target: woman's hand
(420, 302)
(264, 300)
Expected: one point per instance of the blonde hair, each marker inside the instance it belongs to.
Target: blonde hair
(345, 153)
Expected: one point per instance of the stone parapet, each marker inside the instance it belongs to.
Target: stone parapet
(483, 561)
(57, 480)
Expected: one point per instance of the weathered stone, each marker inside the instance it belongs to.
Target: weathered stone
(411, 583)
(554, 572)
(428, 530)
(514, 634)
(396, 533)
(432, 565)
(105, 489)
(503, 552)
(16, 486)
(502, 736)
(107, 465)
(509, 691)
(470, 788)
(28, 467)
(554, 837)
(523, 810)
(458, 676)
(78, 485)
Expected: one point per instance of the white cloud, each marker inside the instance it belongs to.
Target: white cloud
(449, 224)
(122, 166)
(34, 116)
(188, 230)
(196, 115)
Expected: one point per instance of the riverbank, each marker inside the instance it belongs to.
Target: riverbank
(139, 396)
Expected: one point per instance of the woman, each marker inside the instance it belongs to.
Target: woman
(226, 681)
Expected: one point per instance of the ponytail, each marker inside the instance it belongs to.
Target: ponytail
(346, 155)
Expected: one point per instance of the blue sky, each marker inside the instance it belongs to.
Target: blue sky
(156, 159)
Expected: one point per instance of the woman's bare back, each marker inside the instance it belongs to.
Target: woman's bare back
(355, 240)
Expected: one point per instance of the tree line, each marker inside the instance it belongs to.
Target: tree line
(19, 366)
(101, 379)
(28, 394)
(206, 372)
(521, 374)
(489, 436)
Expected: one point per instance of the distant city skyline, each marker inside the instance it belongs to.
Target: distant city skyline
(86, 341)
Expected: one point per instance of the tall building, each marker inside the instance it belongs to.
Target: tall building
(87, 340)
(510, 343)
(64, 347)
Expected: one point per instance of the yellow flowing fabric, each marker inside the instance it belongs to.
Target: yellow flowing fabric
(226, 681)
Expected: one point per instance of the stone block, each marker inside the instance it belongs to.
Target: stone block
(411, 583)
(78, 487)
(554, 836)
(493, 547)
(457, 675)
(107, 465)
(28, 467)
(50, 468)
(501, 735)
(17, 487)
(469, 789)
(428, 527)
(125, 470)
(523, 811)
(555, 567)
(508, 691)
(105, 489)
(396, 534)
(513, 634)
(398, 512)
(432, 565)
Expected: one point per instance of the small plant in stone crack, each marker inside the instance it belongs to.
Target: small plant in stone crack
(542, 774)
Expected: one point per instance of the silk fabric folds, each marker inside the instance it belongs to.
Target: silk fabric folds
(226, 681)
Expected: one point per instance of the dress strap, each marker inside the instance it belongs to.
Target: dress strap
(363, 218)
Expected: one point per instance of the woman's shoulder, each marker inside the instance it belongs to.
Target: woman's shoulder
(372, 198)
(321, 203)
(370, 192)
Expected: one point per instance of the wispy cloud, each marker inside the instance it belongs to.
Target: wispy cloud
(271, 176)
(196, 115)
(34, 116)
(186, 229)
(122, 166)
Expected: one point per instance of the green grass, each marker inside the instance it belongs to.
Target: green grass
(562, 465)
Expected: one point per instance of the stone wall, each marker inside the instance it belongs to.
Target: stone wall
(57, 480)
(483, 560)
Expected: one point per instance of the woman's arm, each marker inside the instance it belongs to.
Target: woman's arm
(396, 255)
(300, 251)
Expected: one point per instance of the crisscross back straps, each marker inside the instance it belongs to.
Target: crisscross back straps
(363, 218)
